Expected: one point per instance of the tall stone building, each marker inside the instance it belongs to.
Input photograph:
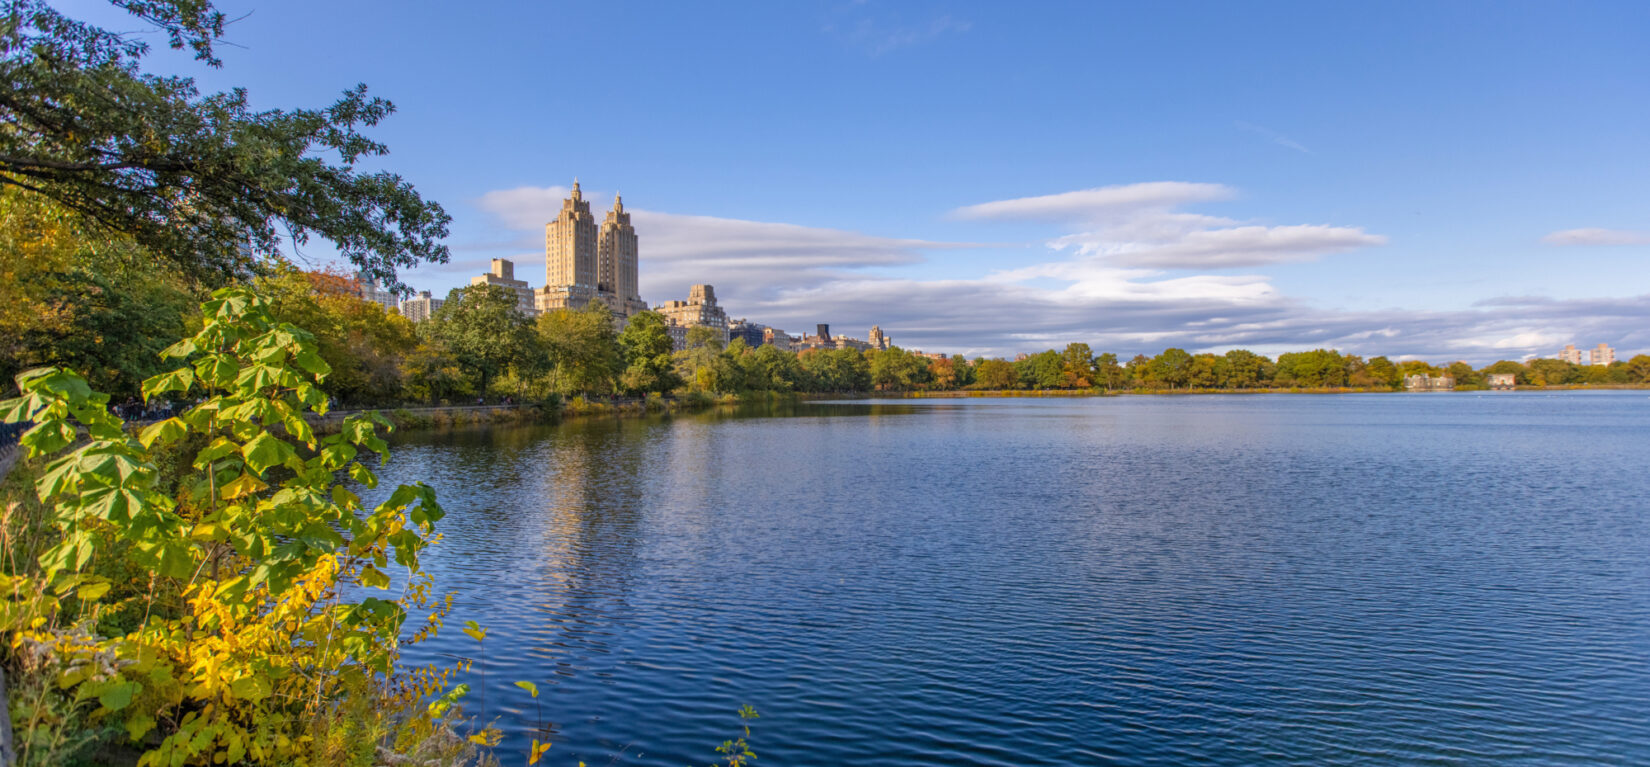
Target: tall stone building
(503, 274)
(617, 269)
(700, 310)
(584, 263)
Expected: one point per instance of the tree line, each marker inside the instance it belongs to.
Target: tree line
(95, 305)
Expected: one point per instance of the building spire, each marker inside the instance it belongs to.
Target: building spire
(618, 202)
(576, 194)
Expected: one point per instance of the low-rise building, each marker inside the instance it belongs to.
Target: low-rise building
(1502, 381)
(420, 307)
(700, 310)
(503, 274)
(824, 340)
(778, 339)
(1424, 382)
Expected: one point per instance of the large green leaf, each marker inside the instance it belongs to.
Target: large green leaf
(177, 380)
(163, 432)
(266, 450)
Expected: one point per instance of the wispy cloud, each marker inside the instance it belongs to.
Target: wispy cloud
(793, 277)
(877, 37)
(1272, 136)
(1138, 225)
(1597, 237)
(750, 259)
(1099, 203)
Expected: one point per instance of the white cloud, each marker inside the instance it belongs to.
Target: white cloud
(1098, 204)
(1240, 246)
(748, 259)
(1138, 225)
(1108, 291)
(1597, 237)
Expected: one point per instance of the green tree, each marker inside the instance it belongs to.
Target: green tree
(581, 349)
(1638, 368)
(196, 179)
(432, 375)
(70, 296)
(1138, 371)
(963, 370)
(895, 369)
(1043, 370)
(1172, 368)
(483, 328)
(1245, 369)
(1418, 367)
(1384, 373)
(363, 344)
(646, 347)
(996, 375)
(1464, 375)
(1108, 373)
(836, 370)
(767, 368)
(1319, 367)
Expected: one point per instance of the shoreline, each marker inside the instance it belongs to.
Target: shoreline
(470, 416)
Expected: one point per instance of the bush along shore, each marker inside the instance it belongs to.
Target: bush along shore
(208, 588)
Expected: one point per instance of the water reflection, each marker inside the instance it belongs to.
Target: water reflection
(1227, 580)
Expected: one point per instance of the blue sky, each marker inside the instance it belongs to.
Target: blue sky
(1443, 180)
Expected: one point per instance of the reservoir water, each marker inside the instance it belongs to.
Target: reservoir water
(1266, 579)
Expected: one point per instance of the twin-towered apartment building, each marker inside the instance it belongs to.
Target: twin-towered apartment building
(585, 261)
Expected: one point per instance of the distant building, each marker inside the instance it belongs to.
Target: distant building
(700, 310)
(824, 340)
(1502, 381)
(752, 334)
(503, 274)
(1570, 354)
(778, 339)
(421, 307)
(584, 263)
(369, 290)
(1601, 355)
(1424, 382)
(877, 340)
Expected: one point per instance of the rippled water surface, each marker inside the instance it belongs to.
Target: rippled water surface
(1282, 579)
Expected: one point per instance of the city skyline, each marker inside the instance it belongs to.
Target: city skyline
(1452, 182)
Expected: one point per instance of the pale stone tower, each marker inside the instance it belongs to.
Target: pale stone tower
(617, 255)
(570, 245)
